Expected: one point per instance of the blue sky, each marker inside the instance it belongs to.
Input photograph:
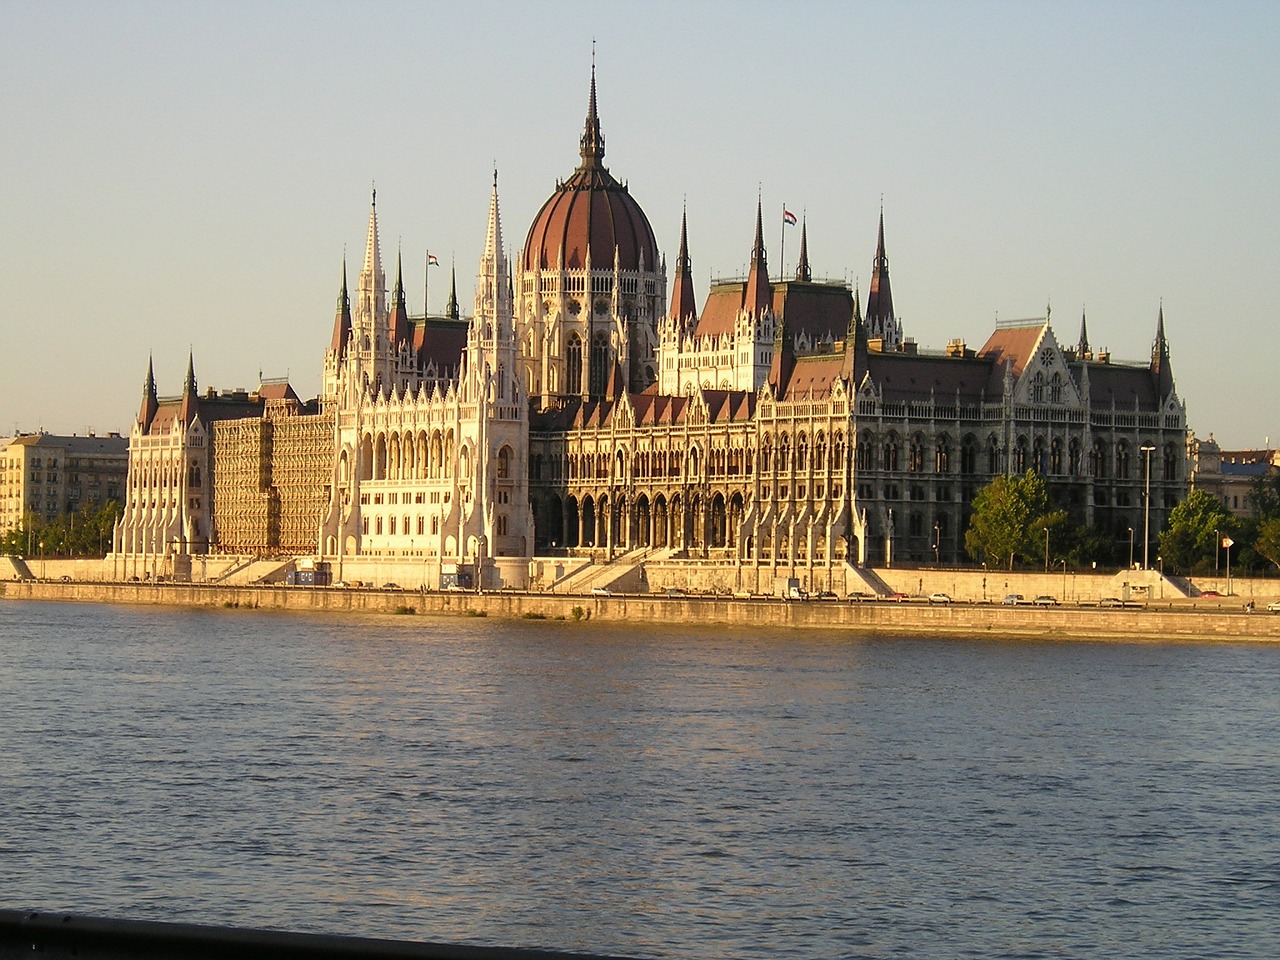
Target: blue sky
(187, 176)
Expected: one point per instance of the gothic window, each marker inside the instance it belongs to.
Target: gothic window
(766, 453)
(915, 454)
(942, 456)
(573, 369)
(1037, 388)
(865, 456)
(1020, 455)
(504, 463)
(1098, 460)
(820, 453)
(1055, 388)
(1073, 457)
(1055, 456)
(1040, 458)
(802, 452)
(969, 455)
(599, 364)
(837, 451)
(1171, 461)
(1122, 460)
(890, 459)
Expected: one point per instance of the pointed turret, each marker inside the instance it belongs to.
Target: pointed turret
(150, 403)
(451, 308)
(398, 321)
(802, 268)
(683, 304)
(880, 318)
(1082, 348)
(188, 408)
(342, 318)
(1161, 370)
(758, 294)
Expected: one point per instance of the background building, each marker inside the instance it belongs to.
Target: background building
(44, 475)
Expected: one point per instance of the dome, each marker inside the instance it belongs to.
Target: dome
(591, 214)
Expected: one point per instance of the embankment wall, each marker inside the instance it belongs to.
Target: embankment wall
(1173, 621)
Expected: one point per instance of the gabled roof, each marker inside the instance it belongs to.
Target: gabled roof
(812, 377)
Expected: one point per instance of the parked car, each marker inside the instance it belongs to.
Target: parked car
(1273, 606)
(1012, 600)
(825, 595)
(859, 596)
(1210, 593)
(1044, 600)
(391, 586)
(1111, 602)
(939, 598)
(601, 591)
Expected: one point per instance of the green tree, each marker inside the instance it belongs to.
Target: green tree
(1010, 517)
(1268, 540)
(1189, 541)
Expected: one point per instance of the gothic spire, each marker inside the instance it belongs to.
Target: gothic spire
(592, 150)
(372, 250)
(342, 317)
(758, 295)
(187, 408)
(802, 268)
(398, 322)
(1161, 370)
(150, 404)
(683, 304)
(879, 296)
(1082, 348)
(451, 308)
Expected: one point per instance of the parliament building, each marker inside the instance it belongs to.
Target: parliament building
(592, 421)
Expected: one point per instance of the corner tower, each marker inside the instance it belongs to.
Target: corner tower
(590, 287)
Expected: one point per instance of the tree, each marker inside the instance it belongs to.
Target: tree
(1010, 517)
(1190, 540)
(1268, 540)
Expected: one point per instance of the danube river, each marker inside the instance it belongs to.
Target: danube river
(649, 791)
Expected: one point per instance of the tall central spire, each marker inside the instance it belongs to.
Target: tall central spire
(758, 294)
(592, 139)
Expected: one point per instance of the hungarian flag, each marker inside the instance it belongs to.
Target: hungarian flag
(788, 217)
(432, 260)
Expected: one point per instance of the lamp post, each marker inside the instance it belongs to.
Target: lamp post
(1131, 548)
(1146, 508)
(937, 536)
(1217, 543)
(1064, 580)
(1046, 549)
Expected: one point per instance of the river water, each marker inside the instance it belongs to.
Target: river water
(652, 791)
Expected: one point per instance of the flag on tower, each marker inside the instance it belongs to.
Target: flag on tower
(788, 217)
(432, 260)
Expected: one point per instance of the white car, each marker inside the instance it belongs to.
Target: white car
(940, 598)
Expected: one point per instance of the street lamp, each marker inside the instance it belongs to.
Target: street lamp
(1046, 549)
(1064, 580)
(1146, 508)
(1131, 548)
(937, 536)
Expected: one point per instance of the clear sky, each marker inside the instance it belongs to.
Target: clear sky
(187, 176)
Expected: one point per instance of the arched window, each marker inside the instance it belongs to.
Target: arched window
(890, 459)
(573, 365)
(915, 454)
(599, 363)
(1020, 455)
(1122, 460)
(865, 453)
(1037, 388)
(942, 456)
(1055, 456)
(969, 454)
(1171, 461)
(1055, 388)
(504, 463)
(802, 452)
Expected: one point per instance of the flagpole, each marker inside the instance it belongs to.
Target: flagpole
(782, 252)
(426, 286)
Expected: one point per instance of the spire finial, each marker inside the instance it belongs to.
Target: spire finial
(802, 268)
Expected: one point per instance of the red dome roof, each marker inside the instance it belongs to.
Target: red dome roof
(591, 212)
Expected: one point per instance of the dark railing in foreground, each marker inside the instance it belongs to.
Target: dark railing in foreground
(54, 935)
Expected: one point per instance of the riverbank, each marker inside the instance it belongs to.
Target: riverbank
(1201, 620)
